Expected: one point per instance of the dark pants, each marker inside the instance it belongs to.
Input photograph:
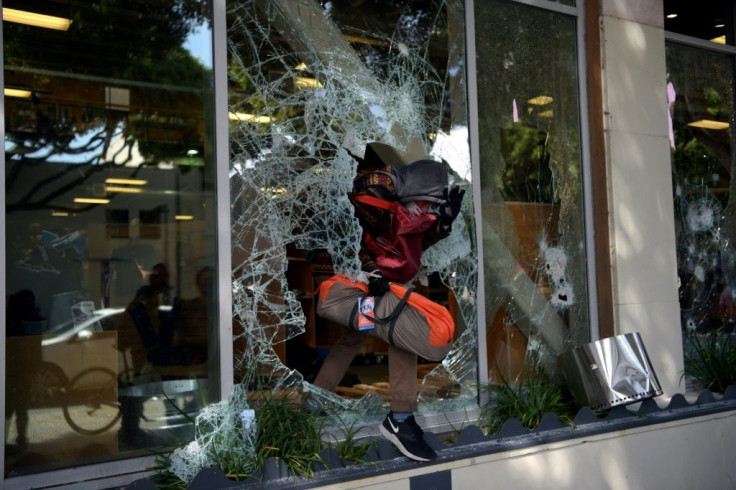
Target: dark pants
(402, 369)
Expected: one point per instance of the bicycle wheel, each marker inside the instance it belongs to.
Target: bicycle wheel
(91, 402)
(47, 386)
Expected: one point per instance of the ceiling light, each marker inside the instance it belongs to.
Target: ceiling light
(244, 117)
(37, 20)
(549, 113)
(127, 190)
(301, 66)
(671, 16)
(365, 40)
(183, 217)
(59, 213)
(126, 181)
(304, 82)
(720, 26)
(709, 124)
(719, 40)
(91, 200)
(17, 92)
(540, 100)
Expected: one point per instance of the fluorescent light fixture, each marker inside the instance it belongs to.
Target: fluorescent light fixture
(305, 82)
(37, 20)
(126, 181)
(671, 16)
(59, 213)
(17, 92)
(709, 124)
(91, 200)
(720, 26)
(719, 40)
(540, 100)
(183, 217)
(365, 40)
(244, 117)
(127, 190)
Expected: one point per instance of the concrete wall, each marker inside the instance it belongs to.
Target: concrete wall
(642, 230)
(685, 454)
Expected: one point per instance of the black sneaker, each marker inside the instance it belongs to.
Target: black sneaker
(408, 437)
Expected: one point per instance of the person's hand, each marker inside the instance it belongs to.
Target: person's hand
(451, 207)
(378, 285)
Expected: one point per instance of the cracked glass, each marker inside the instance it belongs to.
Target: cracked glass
(701, 115)
(533, 235)
(311, 83)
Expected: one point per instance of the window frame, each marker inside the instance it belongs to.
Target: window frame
(594, 290)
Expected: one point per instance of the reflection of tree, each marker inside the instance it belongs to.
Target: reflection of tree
(702, 156)
(135, 44)
(527, 176)
(122, 39)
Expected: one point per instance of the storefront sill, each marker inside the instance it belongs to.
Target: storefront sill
(472, 444)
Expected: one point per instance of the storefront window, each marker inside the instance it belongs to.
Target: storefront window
(109, 207)
(701, 111)
(310, 85)
(533, 231)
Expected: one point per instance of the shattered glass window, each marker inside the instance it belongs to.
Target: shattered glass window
(700, 100)
(533, 232)
(311, 83)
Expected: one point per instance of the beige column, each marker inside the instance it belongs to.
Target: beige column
(642, 233)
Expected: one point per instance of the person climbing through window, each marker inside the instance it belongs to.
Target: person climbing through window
(392, 242)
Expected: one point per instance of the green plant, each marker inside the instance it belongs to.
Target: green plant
(162, 476)
(527, 400)
(710, 360)
(281, 431)
(350, 449)
(285, 432)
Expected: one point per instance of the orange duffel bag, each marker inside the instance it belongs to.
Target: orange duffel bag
(402, 317)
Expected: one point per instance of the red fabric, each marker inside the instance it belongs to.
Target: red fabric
(398, 252)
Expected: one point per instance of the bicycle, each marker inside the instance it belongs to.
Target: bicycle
(91, 401)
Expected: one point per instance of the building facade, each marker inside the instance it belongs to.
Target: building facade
(175, 188)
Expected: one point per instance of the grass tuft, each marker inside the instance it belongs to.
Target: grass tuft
(710, 360)
(527, 400)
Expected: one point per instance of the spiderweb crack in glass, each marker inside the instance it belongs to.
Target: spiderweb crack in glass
(290, 179)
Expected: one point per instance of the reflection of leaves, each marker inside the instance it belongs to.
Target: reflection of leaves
(107, 38)
(714, 103)
(696, 162)
(527, 176)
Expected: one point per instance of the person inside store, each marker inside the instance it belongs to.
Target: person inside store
(191, 316)
(399, 426)
(145, 341)
(23, 324)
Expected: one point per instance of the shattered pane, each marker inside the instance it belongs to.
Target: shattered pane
(533, 234)
(700, 95)
(310, 85)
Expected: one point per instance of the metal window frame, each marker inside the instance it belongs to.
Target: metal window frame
(2, 257)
